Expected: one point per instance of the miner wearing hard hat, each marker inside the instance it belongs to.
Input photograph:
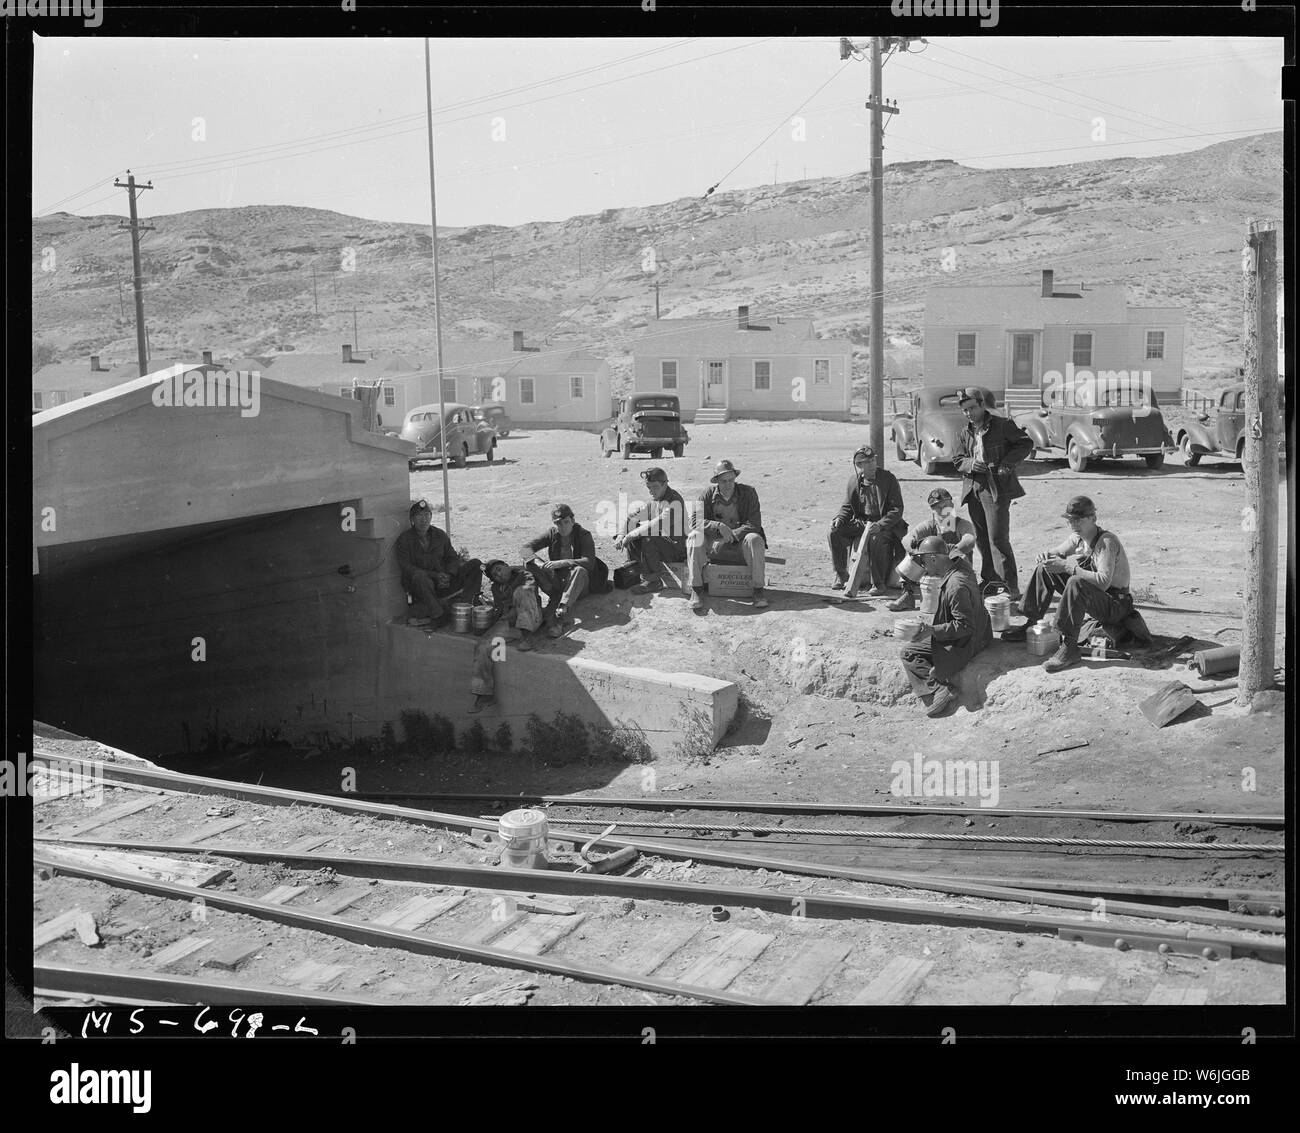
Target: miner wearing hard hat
(960, 628)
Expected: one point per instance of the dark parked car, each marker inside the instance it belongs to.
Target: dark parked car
(1101, 424)
(646, 422)
(928, 431)
(494, 413)
(465, 436)
(1220, 429)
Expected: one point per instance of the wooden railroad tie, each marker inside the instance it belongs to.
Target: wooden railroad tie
(653, 950)
(410, 915)
(731, 957)
(104, 817)
(176, 952)
(233, 954)
(897, 982)
(798, 982)
(539, 934)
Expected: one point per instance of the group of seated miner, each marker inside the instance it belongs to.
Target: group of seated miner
(1089, 569)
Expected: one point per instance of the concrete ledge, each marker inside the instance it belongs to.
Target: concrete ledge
(431, 673)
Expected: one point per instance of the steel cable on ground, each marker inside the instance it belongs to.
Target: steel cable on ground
(1011, 839)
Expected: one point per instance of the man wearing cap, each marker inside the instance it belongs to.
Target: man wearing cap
(1089, 571)
(570, 567)
(960, 628)
(873, 502)
(517, 614)
(432, 571)
(988, 450)
(655, 533)
(726, 527)
(957, 532)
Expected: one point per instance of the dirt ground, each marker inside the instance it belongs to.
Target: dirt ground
(828, 710)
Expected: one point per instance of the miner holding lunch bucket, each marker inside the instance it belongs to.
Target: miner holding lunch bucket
(960, 628)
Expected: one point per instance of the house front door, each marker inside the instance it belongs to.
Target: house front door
(1022, 361)
(714, 393)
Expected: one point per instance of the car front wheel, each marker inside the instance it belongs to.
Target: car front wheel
(1077, 458)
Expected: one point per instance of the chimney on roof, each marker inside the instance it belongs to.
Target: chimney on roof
(347, 352)
(94, 364)
(742, 318)
(518, 340)
(207, 357)
(1047, 284)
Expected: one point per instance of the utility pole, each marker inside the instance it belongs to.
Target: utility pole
(121, 303)
(1259, 462)
(656, 299)
(141, 350)
(775, 166)
(437, 304)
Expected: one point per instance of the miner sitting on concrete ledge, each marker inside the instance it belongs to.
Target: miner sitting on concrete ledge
(726, 527)
(432, 571)
(1090, 572)
(570, 570)
(517, 615)
(960, 628)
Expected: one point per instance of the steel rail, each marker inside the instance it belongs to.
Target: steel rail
(379, 937)
(137, 776)
(932, 836)
(64, 979)
(584, 884)
(825, 808)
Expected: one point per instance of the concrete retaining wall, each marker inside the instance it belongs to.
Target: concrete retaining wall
(431, 673)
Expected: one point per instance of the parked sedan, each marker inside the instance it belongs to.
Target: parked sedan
(494, 413)
(1220, 430)
(1106, 424)
(465, 436)
(646, 422)
(928, 431)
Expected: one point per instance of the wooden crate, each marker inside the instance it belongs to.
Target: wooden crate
(726, 580)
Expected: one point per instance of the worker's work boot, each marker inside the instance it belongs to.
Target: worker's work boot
(481, 702)
(905, 601)
(1063, 658)
(697, 600)
(840, 582)
(649, 585)
(944, 699)
(760, 598)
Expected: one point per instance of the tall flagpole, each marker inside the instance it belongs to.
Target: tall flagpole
(437, 305)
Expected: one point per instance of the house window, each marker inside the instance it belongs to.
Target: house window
(965, 350)
(1082, 349)
(526, 393)
(58, 397)
(575, 387)
(821, 371)
(448, 389)
(390, 396)
(668, 375)
(763, 375)
(1155, 344)
(345, 391)
(37, 402)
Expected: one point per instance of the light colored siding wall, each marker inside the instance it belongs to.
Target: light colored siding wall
(645, 378)
(554, 405)
(939, 354)
(828, 398)
(1166, 375)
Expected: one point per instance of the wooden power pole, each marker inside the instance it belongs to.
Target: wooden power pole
(141, 350)
(1259, 516)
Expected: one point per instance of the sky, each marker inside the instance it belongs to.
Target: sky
(538, 129)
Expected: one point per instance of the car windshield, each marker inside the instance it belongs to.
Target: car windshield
(415, 417)
(655, 403)
(1124, 397)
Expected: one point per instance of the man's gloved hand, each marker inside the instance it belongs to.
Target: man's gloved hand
(978, 466)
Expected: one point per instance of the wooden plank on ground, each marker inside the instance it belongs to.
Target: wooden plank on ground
(50, 784)
(807, 972)
(732, 956)
(209, 831)
(196, 873)
(1164, 994)
(176, 952)
(283, 894)
(1037, 989)
(104, 817)
(231, 955)
(652, 950)
(859, 568)
(307, 843)
(492, 927)
(329, 906)
(410, 915)
(315, 976)
(55, 927)
(897, 981)
(539, 933)
(1075, 990)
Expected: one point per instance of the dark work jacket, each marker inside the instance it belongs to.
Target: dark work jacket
(438, 558)
(584, 554)
(961, 626)
(891, 497)
(1006, 444)
(746, 498)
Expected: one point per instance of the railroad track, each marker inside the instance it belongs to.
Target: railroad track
(295, 902)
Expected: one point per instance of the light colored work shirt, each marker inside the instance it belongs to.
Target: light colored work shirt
(1109, 561)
